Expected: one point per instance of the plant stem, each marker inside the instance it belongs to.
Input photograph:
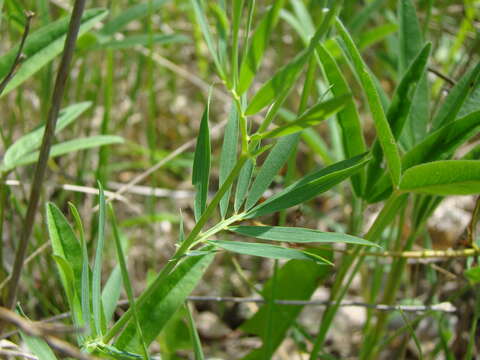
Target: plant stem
(47, 141)
(338, 291)
(181, 251)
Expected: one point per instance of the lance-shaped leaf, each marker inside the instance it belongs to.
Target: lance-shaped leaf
(136, 12)
(399, 109)
(456, 97)
(33, 139)
(243, 183)
(445, 177)
(201, 165)
(65, 243)
(228, 156)
(310, 186)
(155, 308)
(297, 235)
(270, 168)
(438, 145)
(258, 43)
(384, 133)
(311, 117)
(267, 251)
(68, 147)
(353, 142)
(43, 46)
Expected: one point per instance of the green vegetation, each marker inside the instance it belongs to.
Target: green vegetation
(322, 134)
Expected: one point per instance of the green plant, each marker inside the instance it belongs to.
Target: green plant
(407, 169)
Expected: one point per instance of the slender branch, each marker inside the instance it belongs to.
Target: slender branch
(47, 141)
(442, 76)
(19, 57)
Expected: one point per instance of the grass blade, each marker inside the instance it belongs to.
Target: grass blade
(67, 147)
(97, 307)
(43, 46)
(384, 133)
(197, 344)
(201, 165)
(126, 279)
(297, 235)
(33, 139)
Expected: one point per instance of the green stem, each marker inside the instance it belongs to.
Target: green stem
(182, 250)
(339, 289)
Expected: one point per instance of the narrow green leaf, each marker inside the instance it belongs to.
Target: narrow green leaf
(356, 24)
(456, 97)
(228, 156)
(258, 43)
(201, 165)
(43, 46)
(270, 168)
(97, 267)
(297, 235)
(310, 186)
(353, 142)
(384, 133)
(472, 103)
(126, 280)
(68, 147)
(160, 305)
(197, 344)
(310, 117)
(446, 177)
(266, 251)
(243, 183)
(136, 12)
(33, 139)
(142, 40)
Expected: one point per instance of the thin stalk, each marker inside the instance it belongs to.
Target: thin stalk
(181, 251)
(47, 141)
(339, 289)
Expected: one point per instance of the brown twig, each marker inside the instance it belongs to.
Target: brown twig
(441, 75)
(44, 331)
(19, 57)
(47, 141)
